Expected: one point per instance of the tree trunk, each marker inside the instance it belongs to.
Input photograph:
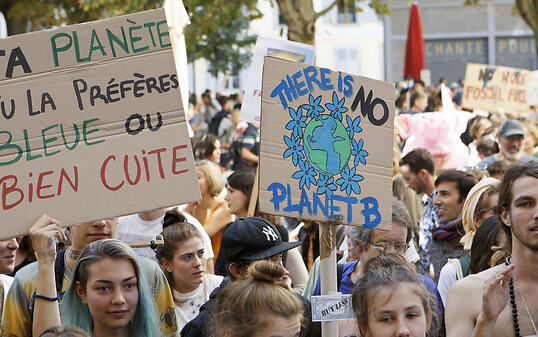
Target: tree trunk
(300, 18)
(14, 26)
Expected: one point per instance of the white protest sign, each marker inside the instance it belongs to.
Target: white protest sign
(331, 307)
(288, 50)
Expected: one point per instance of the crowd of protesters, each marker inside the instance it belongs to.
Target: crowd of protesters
(459, 260)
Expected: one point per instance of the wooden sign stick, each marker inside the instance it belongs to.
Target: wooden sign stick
(254, 193)
(327, 255)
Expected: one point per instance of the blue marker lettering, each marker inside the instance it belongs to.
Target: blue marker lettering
(371, 207)
(279, 194)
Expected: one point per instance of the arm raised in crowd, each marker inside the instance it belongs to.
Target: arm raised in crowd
(46, 310)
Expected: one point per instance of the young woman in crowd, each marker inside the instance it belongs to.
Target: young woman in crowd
(208, 148)
(392, 300)
(238, 197)
(478, 206)
(239, 189)
(211, 211)
(182, 257)
(108, 295)
(258, 306)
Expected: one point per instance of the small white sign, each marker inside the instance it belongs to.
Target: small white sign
(331, 307)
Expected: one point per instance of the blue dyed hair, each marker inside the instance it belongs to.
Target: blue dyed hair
(145, 321)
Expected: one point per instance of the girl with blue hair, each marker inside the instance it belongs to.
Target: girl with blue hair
(108, 295)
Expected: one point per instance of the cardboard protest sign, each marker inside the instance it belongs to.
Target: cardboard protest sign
(326, 145)
(288, 50)
(91, 123)
(495, 88)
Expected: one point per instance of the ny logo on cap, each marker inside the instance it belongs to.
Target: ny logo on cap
(269, 233)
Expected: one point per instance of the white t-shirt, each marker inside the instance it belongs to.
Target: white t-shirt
(187, 306)
(5, 284)
(133, 228)
(447, 277)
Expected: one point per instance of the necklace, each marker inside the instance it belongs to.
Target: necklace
(513, 302)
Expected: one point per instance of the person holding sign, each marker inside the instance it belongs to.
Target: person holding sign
(109, 294)
(19, 309)
(392, 300)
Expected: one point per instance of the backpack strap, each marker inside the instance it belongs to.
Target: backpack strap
(464, 261)
(59, 268)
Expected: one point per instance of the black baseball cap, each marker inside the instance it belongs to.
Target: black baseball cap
(512, 127)
(251, 239)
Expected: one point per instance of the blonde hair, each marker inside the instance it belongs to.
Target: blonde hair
(247, 305)
(474, 202)
(215, 182)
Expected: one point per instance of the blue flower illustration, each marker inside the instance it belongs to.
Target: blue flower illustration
(298, 122)
(358, 152)
(307, 174)
(295, 149)
(326, 185)
(313, 109)
(353, 126)
(337, 107)
(349, 181)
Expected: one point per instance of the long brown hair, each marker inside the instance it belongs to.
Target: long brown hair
(388, 271)
(176, 231)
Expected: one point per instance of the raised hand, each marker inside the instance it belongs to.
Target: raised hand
(43, 232)
(495, 293)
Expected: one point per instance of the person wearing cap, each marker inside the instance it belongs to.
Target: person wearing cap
(511, 135)
(243, 241)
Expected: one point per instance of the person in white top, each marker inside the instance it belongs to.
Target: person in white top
(144, 226)
(184, 262)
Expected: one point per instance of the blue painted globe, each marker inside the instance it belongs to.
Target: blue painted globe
(327, 145)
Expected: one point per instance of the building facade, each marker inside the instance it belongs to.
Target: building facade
(346, 40)
(455, 35)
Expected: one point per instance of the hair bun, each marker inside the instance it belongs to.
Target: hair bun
(267, 271)
(173, 216)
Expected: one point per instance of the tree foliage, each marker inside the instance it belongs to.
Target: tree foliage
(527, 9)
(217, 33)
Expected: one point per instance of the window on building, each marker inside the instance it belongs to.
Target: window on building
(348, 60)
(346, 11)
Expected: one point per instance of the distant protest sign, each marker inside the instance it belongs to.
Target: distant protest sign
(495, 88)
(288, 50)
(326, 145)
(92, 124)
